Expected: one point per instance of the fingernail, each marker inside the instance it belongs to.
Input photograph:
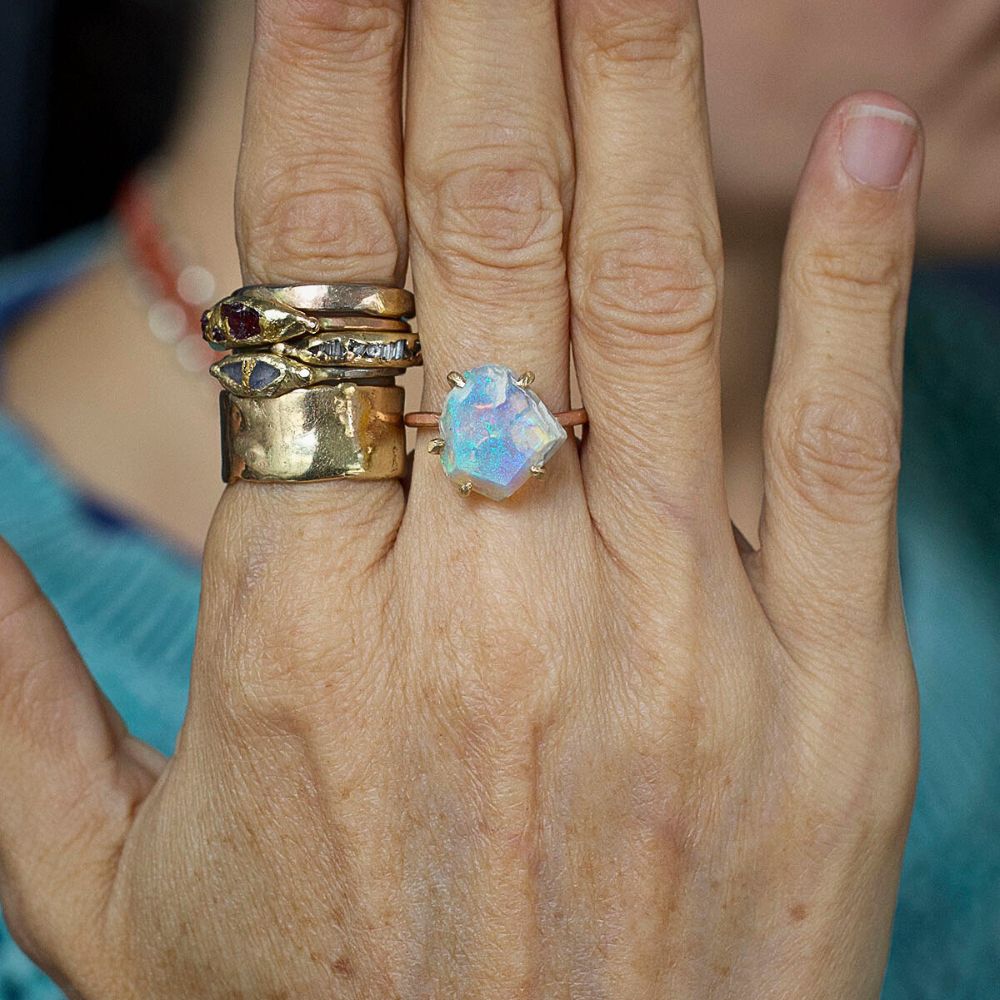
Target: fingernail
(876, 145)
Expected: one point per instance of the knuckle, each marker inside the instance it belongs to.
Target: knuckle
(308, 222)
(292, 686)
(644, 284)
(483, 699)
(487, 218)
(863, 782)
(841, 448)
(853, 279)
(44, 925)
(623, 33)
(360, 30)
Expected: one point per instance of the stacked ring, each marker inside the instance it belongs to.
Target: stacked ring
(259, 317)
(308, 388)
(494, 431)
(342, 430)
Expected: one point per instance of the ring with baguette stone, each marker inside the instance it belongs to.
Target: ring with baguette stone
(355, 349)
(495, 433)
(341, 430)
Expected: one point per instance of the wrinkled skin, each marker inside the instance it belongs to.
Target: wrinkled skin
(580, 744)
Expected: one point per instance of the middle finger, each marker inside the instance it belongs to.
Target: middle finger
(488, 178)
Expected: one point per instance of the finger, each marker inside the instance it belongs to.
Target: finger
(488, 174)
(319, 192)
(645, 271)
(832, 426)
(319, 199)
(71, 776)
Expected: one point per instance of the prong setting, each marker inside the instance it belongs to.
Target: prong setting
(436, 446)
(456, 380)
(526, 379)
(498, 433)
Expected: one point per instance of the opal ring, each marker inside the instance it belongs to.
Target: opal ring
(495, 433)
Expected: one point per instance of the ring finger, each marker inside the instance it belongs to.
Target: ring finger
(645, 274)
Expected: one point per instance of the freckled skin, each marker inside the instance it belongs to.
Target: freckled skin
(575, 745)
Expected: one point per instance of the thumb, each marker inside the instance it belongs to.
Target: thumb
(71, 777)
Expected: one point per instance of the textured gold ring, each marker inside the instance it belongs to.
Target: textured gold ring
(342, 430)
(266, 374)
(355, 349)
(346, 297)
(254, 317)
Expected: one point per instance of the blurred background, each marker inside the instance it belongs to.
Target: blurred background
(86, 93)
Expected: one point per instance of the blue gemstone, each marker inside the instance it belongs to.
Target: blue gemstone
(263, 375)
(233, 370)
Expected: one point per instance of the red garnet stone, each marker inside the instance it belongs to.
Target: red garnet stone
(243, 321)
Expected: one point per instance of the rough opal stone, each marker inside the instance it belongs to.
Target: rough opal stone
(494, 431)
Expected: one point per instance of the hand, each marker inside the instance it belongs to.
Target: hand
(578, 744)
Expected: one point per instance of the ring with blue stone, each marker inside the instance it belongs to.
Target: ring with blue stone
(267, 374)
(495, 433)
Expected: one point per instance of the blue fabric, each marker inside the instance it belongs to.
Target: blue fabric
(130, 603)
(946, 942)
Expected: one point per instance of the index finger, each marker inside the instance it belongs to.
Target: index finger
(319, 200)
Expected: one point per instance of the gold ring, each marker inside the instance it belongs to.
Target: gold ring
(495, 433)
(355, 349)
(342, 430)
(266, 374)
(346, 297)
(256, 317)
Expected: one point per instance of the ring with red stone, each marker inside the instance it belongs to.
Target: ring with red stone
(264, 315)
(495, 433)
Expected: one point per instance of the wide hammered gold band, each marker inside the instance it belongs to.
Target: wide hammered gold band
(341, 430)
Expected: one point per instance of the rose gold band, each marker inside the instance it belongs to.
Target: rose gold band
(568, 418)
